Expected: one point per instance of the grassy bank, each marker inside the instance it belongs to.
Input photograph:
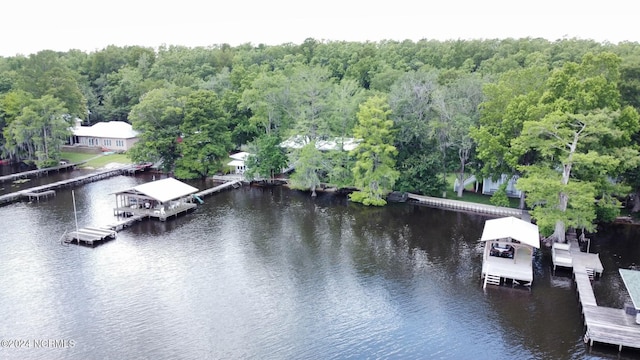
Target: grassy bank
(470, 196)
(95, 160)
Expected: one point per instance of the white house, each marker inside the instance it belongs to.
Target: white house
(238, 162)
(112, 135)
(489, 186)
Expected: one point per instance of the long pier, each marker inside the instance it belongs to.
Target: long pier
(602, 324)
(466, 206)
(36, 173)
(228, 182)
(38, 192)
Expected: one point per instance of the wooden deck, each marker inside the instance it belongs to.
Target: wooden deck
(154, 213)
(519, 269)
(603, 324)
(610, 326)
(229, 182)
(464, 206)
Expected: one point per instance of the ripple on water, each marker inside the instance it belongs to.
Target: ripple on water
(272, 274)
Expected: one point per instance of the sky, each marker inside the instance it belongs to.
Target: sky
(29, 26)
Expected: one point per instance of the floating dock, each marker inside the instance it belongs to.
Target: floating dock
(90, 235)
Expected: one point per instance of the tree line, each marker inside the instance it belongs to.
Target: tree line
(561, 115)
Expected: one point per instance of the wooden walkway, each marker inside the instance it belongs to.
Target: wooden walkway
(235, 183)
(603, 324)
(126, 222)
(46, 190)
(570, 256)
(36, 173)
(465, 206)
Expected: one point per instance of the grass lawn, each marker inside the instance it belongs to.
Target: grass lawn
(474, 197)
(96, 160)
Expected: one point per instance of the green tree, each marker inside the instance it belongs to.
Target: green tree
(45, 73)
(158, 118)
(411, 102)
(374, 172)
(206, 136)
(267, 98)
(124, 90)
(341, 162)
(581, 139)
(345, 98)
(508, 103)
(311, 89)
(457, 107)
(268, 160)
(38, 132)
(310, 164)
(500, 198)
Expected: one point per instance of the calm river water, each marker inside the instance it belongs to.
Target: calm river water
(274, 274)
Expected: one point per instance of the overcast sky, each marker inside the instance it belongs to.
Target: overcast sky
(28, 26)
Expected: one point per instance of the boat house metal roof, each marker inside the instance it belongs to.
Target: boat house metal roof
(162, 190)
(631, 279)
(511, 227)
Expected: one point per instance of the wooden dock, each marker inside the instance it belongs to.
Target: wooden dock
(161, 215)
(571, 256)
(465, 206)
(36, 173)
(38, 192)
(235, 183)
(603, 325)
(128, 216)
(90, 235)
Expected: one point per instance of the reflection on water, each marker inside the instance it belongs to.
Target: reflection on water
(273, 273)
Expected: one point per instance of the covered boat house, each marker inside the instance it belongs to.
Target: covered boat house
(509, 245)
(159, 199)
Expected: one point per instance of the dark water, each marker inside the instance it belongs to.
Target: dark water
(274, 274)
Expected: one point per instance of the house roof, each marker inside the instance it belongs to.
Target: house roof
(631, 279)
(242, 155)
(298, 142)
(511, 227)
(111, 129)
(163, 190)
(235, 163)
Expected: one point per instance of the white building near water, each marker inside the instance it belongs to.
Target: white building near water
(112, 135)
(508, 251)
(238, 165)
(337, 143)
(159, 199)
(489, 186)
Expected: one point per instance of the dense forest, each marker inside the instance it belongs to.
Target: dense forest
(561, 115)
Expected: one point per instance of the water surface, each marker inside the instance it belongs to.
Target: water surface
(274, 274)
